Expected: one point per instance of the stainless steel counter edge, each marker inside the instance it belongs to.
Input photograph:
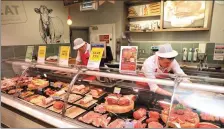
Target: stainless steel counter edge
(32, 110)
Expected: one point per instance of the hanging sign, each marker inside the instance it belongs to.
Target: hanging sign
(218, 52)
(95, 55)
(64, 55)
(128, 59)
(104, 38)
(29, 53)
(41, 54)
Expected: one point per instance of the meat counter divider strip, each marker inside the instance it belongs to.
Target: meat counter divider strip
(74, 79)
(17, 86)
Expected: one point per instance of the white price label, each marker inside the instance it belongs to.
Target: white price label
(117, 90)
(40, 89)
(129, 124)
(56, 98)
(51, 83)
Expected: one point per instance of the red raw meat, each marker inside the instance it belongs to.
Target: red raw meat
(208, 117)
(100, 108)
(124, 101)
(89, 117)
(154, 125)
(206, 125)
(141, 112)
(153, 114)
(105, 121)
(152, 120)
(97, 120)
(112, 100)
(58, 105)
(139, 124)
(118, 123)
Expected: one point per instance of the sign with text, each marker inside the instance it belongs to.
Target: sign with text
(64, 55)
(218, 52)
(13, 12)
(29, 53)
(104, 38)
(95, 55)
(41, 54)
(128, 59)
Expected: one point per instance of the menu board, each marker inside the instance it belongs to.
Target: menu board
(128, 59)
(184, 14)
(151, 9)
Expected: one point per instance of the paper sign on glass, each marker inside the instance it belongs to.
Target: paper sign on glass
(95, 56)
(29, 53)
(128, 59)
(64, 55)
(41, 54)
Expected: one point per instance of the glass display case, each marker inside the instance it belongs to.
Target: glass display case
(74, 96)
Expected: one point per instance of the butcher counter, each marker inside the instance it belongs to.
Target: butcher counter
(22, 112)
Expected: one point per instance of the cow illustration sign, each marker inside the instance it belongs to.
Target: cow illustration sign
(51, 28)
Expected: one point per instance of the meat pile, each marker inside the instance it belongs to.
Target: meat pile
(118, 99)
(154, 125)
(49, 91)
(96, 92)
(86, 99)
(206, 125)
(38, 83)
(141, 112)
(138, 123)
(153, 116)
(118, 123)
(7, 83)
(79, 89)
(96, 119)
(58, 105)
(209, 117)
(100, 108)
(24, 81)
(13, 91)
(182, 116)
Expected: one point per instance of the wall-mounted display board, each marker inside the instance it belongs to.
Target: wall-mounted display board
(159, 16)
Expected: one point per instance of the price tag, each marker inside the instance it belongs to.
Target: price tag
(40, 89)
(64, 55)
(29, 53)
(95, 56)
(117, 90)
(51, 83)
(56, 98)
(129, 124)
(41, 54)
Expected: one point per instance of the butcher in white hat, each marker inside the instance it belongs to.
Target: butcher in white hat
(162, 62)
(83, 53)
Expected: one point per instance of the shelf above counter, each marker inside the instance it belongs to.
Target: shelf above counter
(170, 30)
(154, 15)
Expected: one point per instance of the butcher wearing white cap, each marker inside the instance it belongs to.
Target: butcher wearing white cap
(83, 51)
(162, 62)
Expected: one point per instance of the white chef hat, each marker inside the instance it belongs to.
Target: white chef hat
(166, 51)
(78, 42)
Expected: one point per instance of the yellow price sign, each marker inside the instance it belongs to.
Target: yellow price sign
(64, 52)
(41, 51)
(96, 54)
